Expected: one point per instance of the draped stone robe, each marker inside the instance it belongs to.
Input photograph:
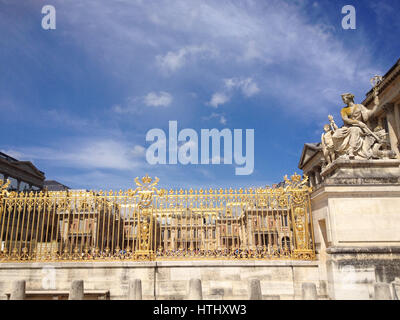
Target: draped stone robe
(352, 136)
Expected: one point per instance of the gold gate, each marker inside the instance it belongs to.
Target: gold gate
(148, 223)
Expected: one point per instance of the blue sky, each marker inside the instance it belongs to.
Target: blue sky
(78, 101)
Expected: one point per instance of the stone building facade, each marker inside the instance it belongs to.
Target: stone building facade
(22, 174)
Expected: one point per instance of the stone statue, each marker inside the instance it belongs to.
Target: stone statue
(355, 140)
(328, 147)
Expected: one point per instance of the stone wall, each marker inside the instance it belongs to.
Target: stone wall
(169, 279)
(353, 271)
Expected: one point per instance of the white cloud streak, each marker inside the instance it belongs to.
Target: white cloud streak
(161, 99)
(218, 99)
(247, 86)
(295, 60)
(88, 154)
(174, 60)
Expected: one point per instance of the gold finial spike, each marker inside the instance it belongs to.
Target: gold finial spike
(146, 179)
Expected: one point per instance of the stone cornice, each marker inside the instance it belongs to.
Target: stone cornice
(363, 250)
(159, 264)
(359, 164)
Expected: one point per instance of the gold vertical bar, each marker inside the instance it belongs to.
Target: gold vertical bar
(202, 232)
(53, 224)
(65, 224)
(15, 234)
(294, 226)
(137, 234)
(21, 233)
(9, 210)
(122, 216)
(113, 224)
(99, 204)
(311, 223)
(42, 235)
(60, 208)
(260, 203)
(104, 222)
(84, 218)
(40, 207)
(3, 206)
(47, 227)
(12, 224)
(107, 235)
(120, 199)
(75, 218)
(92, 230)
(33, 222)
(70, 235)
(27, 221)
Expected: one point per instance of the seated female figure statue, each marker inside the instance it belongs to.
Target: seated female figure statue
(355, 139)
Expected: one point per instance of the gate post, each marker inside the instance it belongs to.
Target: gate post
(300, 207)
(146, 189)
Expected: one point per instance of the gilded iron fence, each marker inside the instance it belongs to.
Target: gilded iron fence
(148, 223)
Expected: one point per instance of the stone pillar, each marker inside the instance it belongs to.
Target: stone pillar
(195, 290)
(382, 291)
(396, 289)
(309, 291)
(318, 178)
(389, 109)
(397, 118)
(312, 179)
(255, 289)
(76, 291)
(18, 290)
(135, 290)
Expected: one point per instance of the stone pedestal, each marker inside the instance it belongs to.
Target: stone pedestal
(135, 290)
(356, 217)
(195, 290)
(76, 291)
(255, 289)
(362, 172)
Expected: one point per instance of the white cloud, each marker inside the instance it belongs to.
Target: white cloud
(118, 109)
(294, 59)
(247, 85)
(174, 60)
(138, 151)
(133, 105)
(67, 119)
(218, 99)
(161, 99)
(221, 118)
(89, 154)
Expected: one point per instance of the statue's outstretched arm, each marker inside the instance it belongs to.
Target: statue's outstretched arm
(372, 113)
